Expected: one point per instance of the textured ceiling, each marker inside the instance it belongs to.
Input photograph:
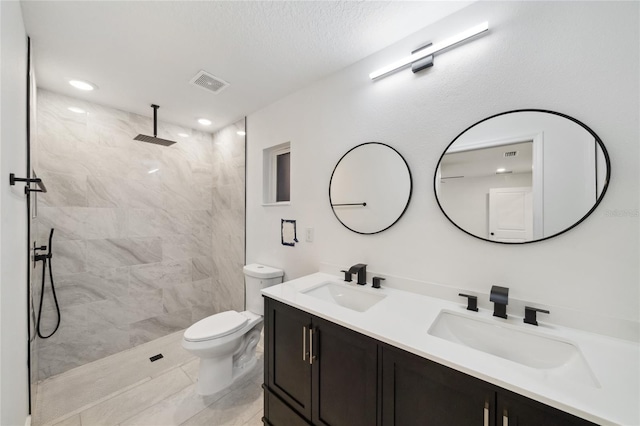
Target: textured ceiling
(141, 52)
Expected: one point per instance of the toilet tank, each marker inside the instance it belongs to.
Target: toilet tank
(257, 277)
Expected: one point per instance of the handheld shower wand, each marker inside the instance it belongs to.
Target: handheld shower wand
(44, 258)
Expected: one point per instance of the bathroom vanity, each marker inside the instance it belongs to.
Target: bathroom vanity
(341, 354)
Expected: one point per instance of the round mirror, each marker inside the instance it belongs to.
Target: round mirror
(370, 188)
(522, 176)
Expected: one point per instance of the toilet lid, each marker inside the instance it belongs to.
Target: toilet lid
(217, 325)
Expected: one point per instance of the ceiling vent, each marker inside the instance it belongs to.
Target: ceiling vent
(510, 154)
(209, 82)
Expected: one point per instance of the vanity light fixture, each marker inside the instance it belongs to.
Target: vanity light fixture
(83, 85)
(76, 110)
(501, 170)
(429, 50)
(204, 121)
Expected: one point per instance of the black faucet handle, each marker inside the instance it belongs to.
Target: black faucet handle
(530, 314)
(347, 275)
(376, 282)
(472, 302)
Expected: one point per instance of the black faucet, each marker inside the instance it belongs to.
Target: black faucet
(361, 270)
(500, 298)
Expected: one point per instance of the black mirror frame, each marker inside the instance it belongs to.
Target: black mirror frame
(408, 198)
(584, 126)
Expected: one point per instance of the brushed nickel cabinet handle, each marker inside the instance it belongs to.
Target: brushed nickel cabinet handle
(486, 413)
(312, 357)
(505, 418)
(304, 343)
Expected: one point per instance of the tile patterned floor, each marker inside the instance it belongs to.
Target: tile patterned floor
(128, 389)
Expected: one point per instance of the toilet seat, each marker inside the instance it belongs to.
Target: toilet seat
(215, 326)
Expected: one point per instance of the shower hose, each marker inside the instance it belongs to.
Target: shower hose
(45, 258)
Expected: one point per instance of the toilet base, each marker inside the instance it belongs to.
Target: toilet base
(217, 374)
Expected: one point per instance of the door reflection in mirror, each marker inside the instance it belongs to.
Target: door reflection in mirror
(522, 176)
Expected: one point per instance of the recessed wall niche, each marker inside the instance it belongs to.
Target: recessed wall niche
(276, 169)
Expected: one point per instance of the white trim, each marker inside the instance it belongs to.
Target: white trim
(279, 203)
(490, 143)
(537, 186)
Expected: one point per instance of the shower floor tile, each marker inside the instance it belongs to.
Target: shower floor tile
(128, 389)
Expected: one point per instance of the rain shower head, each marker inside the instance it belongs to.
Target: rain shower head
(154, 139)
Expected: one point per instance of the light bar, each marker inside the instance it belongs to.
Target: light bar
(431, 50)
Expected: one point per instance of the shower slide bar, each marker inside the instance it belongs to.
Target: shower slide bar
(13, 179)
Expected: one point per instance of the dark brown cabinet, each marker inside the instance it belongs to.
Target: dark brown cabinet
(320, 373)
(419, 392)
(288, 372)
(325, 372)
(516, 410)
(416, 391)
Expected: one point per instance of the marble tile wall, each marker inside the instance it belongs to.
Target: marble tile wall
(229, 212)
(136, 255)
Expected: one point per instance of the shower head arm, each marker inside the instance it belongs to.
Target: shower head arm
(155, 120)
(154, 139)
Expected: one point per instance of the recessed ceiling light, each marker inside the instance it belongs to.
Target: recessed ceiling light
(241, 133)
(204, 121)
(501, 170)
(183, 135)
(153, 171)
(76, 110)
(82, 85)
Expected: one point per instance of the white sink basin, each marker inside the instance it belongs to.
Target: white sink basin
(559, 359)
(356, 299)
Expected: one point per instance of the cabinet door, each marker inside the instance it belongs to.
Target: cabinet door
(516, 410)
(416, 391)
(345, 370)
(289, 370)
(278, 413)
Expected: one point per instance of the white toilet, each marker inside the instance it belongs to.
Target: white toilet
(226, 342)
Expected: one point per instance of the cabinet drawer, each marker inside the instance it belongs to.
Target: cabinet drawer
(278, 413)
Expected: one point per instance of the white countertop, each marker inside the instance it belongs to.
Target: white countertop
(402, 319)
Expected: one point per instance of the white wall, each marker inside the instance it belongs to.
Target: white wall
(581, 59)
(13, 213)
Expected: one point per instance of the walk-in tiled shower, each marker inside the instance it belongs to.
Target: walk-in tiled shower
(148, 239)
